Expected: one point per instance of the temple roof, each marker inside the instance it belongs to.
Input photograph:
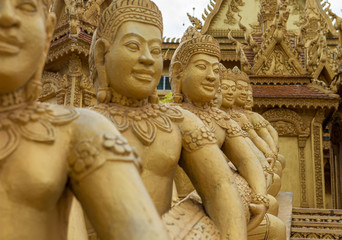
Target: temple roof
(293, 96)
(289, 91)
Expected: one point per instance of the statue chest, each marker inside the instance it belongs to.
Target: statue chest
(34, 175)
(162, 155)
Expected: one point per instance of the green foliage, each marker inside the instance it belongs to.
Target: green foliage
(168, 98)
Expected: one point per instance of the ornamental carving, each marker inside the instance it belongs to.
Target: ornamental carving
(35, 122)
(233, 8)
(286, 122)
(285, 128)
(278, 63)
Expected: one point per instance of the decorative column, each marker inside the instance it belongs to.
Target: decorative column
(301, 149)
(317, 146)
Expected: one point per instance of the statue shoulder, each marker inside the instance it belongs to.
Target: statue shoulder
(95, 142)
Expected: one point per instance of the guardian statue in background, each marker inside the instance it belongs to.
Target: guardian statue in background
(195, 79)
(229, 90)
(242, 100)
(48, 153)
(126, 65)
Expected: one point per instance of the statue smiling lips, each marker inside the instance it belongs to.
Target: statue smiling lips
(126, 65)
(45, 154)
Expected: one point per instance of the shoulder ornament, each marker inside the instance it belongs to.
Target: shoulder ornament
(35, 122)
(92, 154)
(196, 139)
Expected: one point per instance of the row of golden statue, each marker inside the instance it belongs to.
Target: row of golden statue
(120, 159)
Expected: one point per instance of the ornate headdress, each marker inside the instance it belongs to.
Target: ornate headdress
(193, 42)
(120, 11)
(236, 75)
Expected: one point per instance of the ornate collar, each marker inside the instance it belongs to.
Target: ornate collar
(208, 114)
(13, 100)
(143, 121)
(240, 118)
(35, 122)
(127, 101)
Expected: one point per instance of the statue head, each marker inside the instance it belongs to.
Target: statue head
(194, 68)
(242, 84)
(125, 55)
(26, 29)
(249, 102)
(228, 87)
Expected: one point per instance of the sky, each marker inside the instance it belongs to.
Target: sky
(176, 21)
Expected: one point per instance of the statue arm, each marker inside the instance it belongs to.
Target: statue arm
(261, 144)
(104, 177)
(260, 126)
(213, 180)
(274, 135)
(249, 167)
(243, 158)
(208, 171)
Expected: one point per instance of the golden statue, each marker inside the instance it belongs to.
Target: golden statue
(195, 78)
(126, 65)
(261, 126)
(48, 153)
(260, 147)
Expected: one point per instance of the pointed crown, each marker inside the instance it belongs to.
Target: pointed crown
(120, 11)
(235, 74)
(193, 42)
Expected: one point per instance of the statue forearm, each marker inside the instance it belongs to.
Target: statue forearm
(266, 136)
(260, 143)
(246, 162)
(214, 182)
(117, 188)
(274, 134)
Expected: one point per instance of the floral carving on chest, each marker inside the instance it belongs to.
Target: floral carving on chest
(143, 121)
(209, 116)
(34, 122)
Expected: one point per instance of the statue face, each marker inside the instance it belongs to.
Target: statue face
(23, 39)
(249, 101)
(241, 93)
(201, 78)
(134, 61)
(228, 88)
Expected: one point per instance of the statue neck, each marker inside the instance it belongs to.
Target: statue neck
(240, 108)
(203, 105)
(127, 101)
(12, 100)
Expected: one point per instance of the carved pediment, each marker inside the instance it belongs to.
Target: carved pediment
(277, 60)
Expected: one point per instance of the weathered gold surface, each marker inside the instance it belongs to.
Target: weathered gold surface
(195, 78)
(126, 64)
(50, 153)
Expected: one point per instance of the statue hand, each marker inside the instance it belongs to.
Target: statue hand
(271, 161)
(258, 212)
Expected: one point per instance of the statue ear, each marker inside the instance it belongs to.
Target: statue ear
(103, 91)
(176, 84)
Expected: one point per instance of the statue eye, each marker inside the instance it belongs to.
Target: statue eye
(27, 7)
(156, 51)
(217, 71)
(224, 87)
(201, 66)
(132, 46)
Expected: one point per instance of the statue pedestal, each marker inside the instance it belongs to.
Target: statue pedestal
(285, 210)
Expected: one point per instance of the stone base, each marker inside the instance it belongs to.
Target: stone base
(285, 210)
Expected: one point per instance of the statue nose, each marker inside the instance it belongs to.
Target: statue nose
(146, 58)
(8, 18)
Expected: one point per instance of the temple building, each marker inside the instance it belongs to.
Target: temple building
(292, 52)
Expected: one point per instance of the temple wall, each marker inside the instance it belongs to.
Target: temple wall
(290, 176)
